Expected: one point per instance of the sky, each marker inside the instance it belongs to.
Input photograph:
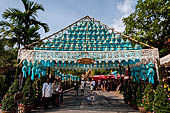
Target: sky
(61, 13)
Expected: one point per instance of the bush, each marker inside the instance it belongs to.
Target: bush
(161, 102)
(139, 95)
(148, 97)
(134, 90)
(27, 92)
(37, 91)
(2, 84)
(8, 100)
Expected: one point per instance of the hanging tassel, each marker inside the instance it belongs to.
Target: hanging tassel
(33, 72)
(29, 68)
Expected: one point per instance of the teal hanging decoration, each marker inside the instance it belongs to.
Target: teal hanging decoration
(151, 73)
(52, 64)
(29, 68)
(65, 65)
(116, 62)
(48, 63)
(24, 68)
(58, 64)
(143, 72)
(115, 74)
(130, 62)
(33, 71)
(136, 74)
(37, 67)
(132, 74)
(101, 65)
(39, 73)
(61, 64)
(44, 70)
(110, 64)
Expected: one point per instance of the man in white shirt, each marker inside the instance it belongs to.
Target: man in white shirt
(82, 87)
(46, 93)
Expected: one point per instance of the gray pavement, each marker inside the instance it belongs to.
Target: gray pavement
(105, 102)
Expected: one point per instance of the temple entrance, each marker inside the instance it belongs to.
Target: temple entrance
(90, 51)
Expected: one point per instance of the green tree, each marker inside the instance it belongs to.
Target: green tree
(161, 102)
(150, 23)
(22, 27)
(8, 100)
(148, 97)
(28, 92)
(8, 56)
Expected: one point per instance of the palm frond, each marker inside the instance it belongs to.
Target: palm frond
(44, 25)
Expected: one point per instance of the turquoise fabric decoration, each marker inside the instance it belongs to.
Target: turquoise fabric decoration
(48, 63)
(110, 64)
(61, 64)
(130, 62)
(24, 68)
(136, 74)
(65, 65)
(33, 71)
(143, 72)
(29, 68)
(151, 73)
(116, 62)
(37, 67)
(58, 64)
(39, 72)
(52, 64)
(115, 74)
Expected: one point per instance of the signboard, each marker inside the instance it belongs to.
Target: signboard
(85, 61)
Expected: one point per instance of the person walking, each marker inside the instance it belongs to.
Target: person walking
(82, 87)
(76, 88)
(61, 93)
(55, 100)
(46, 93)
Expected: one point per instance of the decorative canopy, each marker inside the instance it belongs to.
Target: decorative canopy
(165, 60)
(88, 38)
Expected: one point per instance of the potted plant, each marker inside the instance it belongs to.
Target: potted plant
(161, 102)
(37, 93)
(139, 98)
(8, 103)
(27, 101)
(148, 98)
(134, 99)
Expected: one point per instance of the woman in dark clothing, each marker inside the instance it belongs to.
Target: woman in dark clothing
(76, 88)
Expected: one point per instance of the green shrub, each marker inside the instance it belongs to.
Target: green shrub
(139, 95)
(161, 102)
(134, 90)
(148, 97)
(37, 90)
(8, 100)
(27, 92)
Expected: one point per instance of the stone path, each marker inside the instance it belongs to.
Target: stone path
(103, 102)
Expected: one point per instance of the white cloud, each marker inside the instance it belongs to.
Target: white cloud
(125, 8)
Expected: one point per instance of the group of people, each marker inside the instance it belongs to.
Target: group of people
(82, 87)
(52, 93)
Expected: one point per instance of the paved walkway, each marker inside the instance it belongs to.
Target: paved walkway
(103, 102)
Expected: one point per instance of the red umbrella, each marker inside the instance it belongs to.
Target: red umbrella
(111, 76)
(118, 76)
(103, 76)
(96, 77)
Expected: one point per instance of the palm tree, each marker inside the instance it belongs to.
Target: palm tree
(22, 27)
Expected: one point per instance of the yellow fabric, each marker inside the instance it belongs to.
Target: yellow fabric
(168, 88)
(165, 85)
